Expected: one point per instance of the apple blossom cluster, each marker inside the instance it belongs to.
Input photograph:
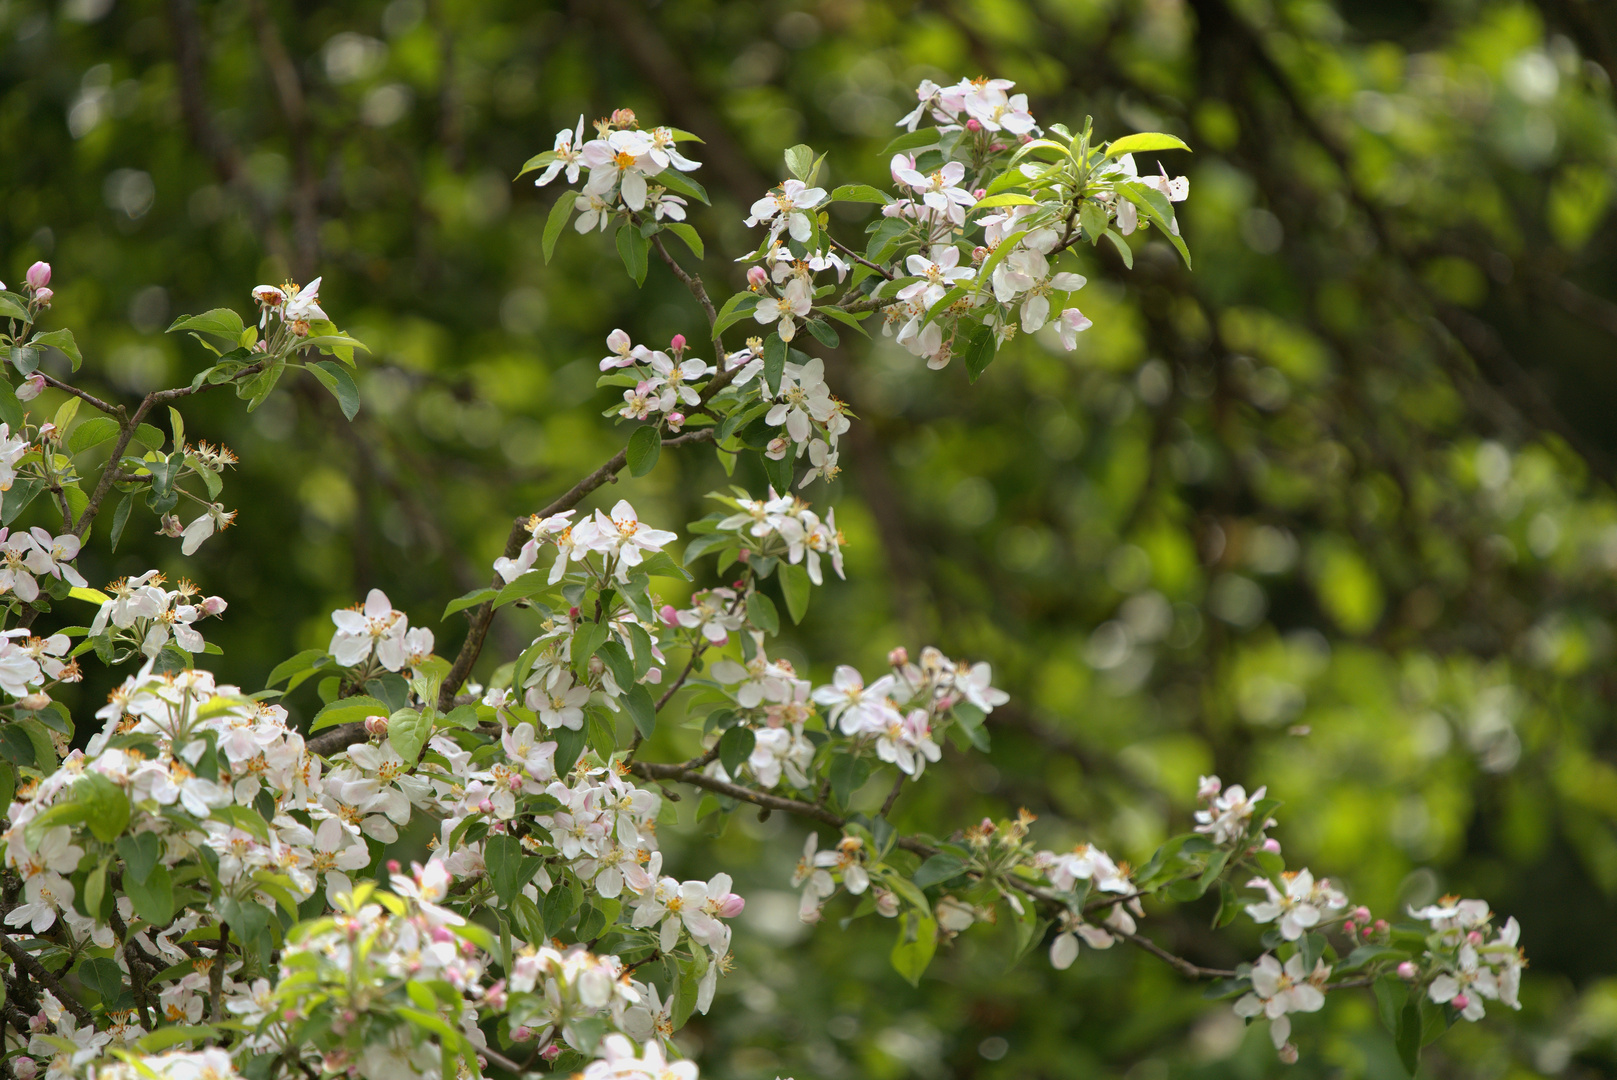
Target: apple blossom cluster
(139, 615)
(377, 633)
(626, 170)
(1469, 966)
(660, 383)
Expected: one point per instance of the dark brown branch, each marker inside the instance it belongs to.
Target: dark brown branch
(36, 971)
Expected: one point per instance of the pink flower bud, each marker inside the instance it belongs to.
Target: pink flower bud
(624, 118)
(485, 807)
(441, 934)
(978, 193)
(1460, 1002)
(676, 420)
(678, 344)
(1381, 926)
(30, 387)
(376, 725)
(214, 605)
(1349, 928)
(43, 297)
(25, 1068)
(996, 147)
(1366, 932)
(757, 277)
(744, 555)
(731, 905)
(1288, 1054)
(1024, 139)
(978, 254)
(393, 866)
(1474, 937)
(572, 612)
(39, 275)
(514, 782)
(521, 1033)
(1271, 845)
(1209, 788)
(551, 1052)
(898, 657)
(974, 124)
(670, 614)
(1407, 971)
(1361, 913)
(596, 666)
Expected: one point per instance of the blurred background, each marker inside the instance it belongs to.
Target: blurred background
(1333, 513)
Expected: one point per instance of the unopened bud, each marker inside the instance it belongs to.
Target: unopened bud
(886, 903)
(521, 1033)
(624, 118)
(43, 297)
(485, 807)
(376, 725)
(1407, 971)
(25, 1068)
(393, 866)
(731, 905)
(996, 147)
(777, 447)
(974, 124)
(678, 343)
(743, 555)
(214, 605)
(1461, 1002)
(1349, 927)
(1024, 139)
(551, 1052)
(596, 666)
(676, 420)
(1381, 926)
(1271, 845)
(670, 615)
(898, 657)
(39, 275)
(1474, 937)
(35, 701)
(757, 277)
(978, 193)
(979, 253)
(30, 387)
(572, 612)
(1361, 913)
(1288, 1054)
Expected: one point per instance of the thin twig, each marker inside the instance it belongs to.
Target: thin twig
(37, 971)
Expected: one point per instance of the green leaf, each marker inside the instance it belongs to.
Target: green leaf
(102, 975)
(303, 661)
(735, 309)
(471, 599)
(63, 340)
(120, 518)
(586, 639)
(1158, 210)
(154, 897)
(917, 941)
(244, 818)
(634, 250)
(156, 1042)
(693, 240)
(680, 184)
(557, 221)
(525, 587)
(1092, 216)
(762, 614)
(823, 332)
(642, 709)
(221, 321)
(1004, 198)
(911, 140)
(938, 868)
(150, 437)
(509, 867)
(799, 160)
(645, 447)
(860, 193)
(93, 432)
(407, 731)
(10, 309)
(1146, 140)
(795, 586)
(1123, 249)
(774, 362)
(95, 888)
(843, 317)
(977, 348)
(1408, 1036)
(347, 710)
(11, 410)
(735, 746)
(140, 852)
(340, 383)
(108, 806)
(535, 163)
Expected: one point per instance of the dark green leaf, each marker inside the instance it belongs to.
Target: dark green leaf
(634, 250)
(336, 379)
(63, 340)
(735, 746)
(645, 446)
(557, 221)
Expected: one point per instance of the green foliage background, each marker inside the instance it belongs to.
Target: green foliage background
(1331, 513)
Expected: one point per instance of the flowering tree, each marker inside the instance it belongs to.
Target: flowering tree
(209, 886)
